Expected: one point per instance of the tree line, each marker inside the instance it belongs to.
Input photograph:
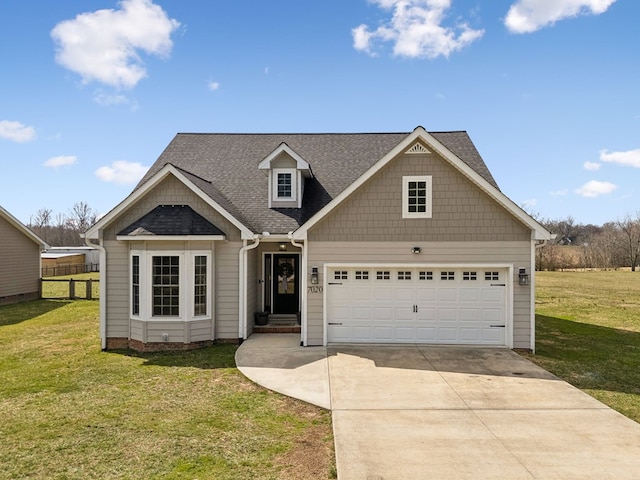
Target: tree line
(614, 245)
(63, 230)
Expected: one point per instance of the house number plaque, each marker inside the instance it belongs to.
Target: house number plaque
(314, 289)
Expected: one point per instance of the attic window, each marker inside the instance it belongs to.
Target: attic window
(416, 197)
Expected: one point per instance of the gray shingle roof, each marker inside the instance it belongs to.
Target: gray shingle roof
(225, 167)
(171, 220)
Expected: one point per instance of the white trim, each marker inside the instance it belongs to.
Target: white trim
(151, 238)
(137, 194)
(292, 172)
(301, 163)
(185, 285)
(532, 299)
(405, 196)
(538, 232)
(505, 266)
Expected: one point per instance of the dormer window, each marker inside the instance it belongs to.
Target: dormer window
(284, 185)
(287, 172)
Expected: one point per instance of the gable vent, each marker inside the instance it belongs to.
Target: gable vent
(417, 149)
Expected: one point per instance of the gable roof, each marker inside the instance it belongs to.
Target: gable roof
(225, 167)
(22, 228)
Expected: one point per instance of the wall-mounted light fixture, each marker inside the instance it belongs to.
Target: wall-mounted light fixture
(523, 276)
(314, 275)
(283, 247)
(416, 250)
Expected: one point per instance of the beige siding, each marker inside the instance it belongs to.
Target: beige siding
(226, 279)
(117, 285)
(19, 262)
(252, 291)
(511, 253)
(461, 210)
(224, 321)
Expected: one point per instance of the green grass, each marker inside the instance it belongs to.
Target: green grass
(60, 290)
(588, 333)
(70, 411)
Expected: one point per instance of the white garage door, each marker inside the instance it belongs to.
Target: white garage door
(417, 305)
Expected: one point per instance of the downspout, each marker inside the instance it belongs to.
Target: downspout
(303, 288)
(242, 287)
(103, 289)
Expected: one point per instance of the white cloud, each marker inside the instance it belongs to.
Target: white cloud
(527, 16)
(122, 172)
(529, 203)
(416, 30)
(104, 45)
(108, 99)
(213, 86)
(16, 131)
(60, 161)
(559, 193)
(594, 188)
(630, 158)
(593, 166)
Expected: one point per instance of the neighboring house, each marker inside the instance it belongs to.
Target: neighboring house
(19, 260)
(367, 238)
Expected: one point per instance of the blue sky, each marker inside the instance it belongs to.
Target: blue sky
(91, 92)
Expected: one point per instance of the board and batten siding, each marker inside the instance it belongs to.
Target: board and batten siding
(516, 254)
(19, 262)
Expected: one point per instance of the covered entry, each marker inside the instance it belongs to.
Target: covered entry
(425, 304)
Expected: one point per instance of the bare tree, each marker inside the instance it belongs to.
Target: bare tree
(630, 238)
(41, 219)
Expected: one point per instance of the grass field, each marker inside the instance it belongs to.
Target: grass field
(588, 333)
(70, 411)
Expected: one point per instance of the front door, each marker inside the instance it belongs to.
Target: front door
(286, 284)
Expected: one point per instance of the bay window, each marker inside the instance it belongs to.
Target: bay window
(170, 285)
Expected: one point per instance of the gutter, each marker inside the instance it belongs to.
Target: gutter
(303, 288)
(242, 287)
(103, 290)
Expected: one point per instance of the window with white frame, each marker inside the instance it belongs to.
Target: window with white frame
(284, 184)
(175, 285)
(416, 196)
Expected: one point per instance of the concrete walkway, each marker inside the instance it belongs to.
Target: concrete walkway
(427, 412)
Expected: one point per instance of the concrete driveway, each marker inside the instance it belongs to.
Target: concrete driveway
(427, 412)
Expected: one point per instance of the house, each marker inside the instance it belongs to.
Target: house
(366, 238)
(19, 260)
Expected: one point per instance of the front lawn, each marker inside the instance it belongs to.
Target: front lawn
(68, 410)
(588, 333)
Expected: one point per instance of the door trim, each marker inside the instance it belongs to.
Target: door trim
(265, 281)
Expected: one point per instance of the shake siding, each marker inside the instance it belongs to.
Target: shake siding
(19, 262)
(467, 226)
(461, 210)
